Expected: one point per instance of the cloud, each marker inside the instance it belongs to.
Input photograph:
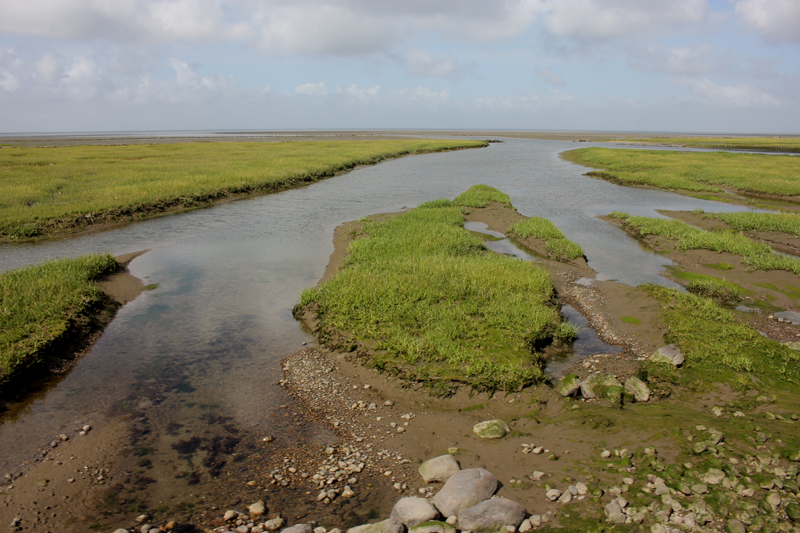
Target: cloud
(550, 76)
(362, 95)
(742, 95)
(687, 61)
(423, 63)
(552, 100)
(774, 20)
(312, 89)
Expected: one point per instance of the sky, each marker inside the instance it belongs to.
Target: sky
(702, 66)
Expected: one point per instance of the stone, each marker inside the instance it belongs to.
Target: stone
(774, 499)
(582, 488)
(658, 528)
(553, 494)
(536, 520)
(595, 386)
(714, 476)
(569, 385)
(491, 429)
(793, 512)
(432, 526)
(699, 447)
(301, 528)
(735, 526)
(699, 488)
(230, 515)
(257, 509)
(387, 526)
(525, 526)
(566, 497)
(491, 515)
(439, 468)
(638, 388)
(669, 354)
(412, 511)
(274, 524)
(122, 531)
(465, 489)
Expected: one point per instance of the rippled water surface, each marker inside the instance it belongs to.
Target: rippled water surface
(210, 338)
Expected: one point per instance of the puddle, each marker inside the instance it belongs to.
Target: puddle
(480, 227)
(746, 309)
(587, 343)
(791, 316)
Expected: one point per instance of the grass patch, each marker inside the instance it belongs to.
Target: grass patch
(754, 254)
(718, 266)
(631, 320)
(433, 304)
(45, 189)
(713, 340)
(481, 196)
(38, 305)
(791, 292)
(771, 144)
(696, 172)
(746, 221)
(561, 248)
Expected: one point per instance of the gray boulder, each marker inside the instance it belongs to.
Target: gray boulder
(413, 511)
(638, 388)
(669, 354)
(299, 528)
(491, 515)
(387, 526)
(491, 429)
(434, 526)
(569, 385)
(439, 468)
(464, 489)
(597, 385)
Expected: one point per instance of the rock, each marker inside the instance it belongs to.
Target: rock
(569, 385)
(774, 499)
(536, 520)
(699, 488)
(658, 528)
(638, 388)
(595, 386)
(412, 511)
(537, 475)
(230, 515)
(122, 531)
(525, 525)
(388, 403)
(699, 447)
(491, 515)
(439, 468)
(274, 524)
(669, 354)
(735, 526)
(142, 518)
(714, 476)
(566, 497)
(793, 512)
(256, 509)
(433, 526)
(387, 526)
(605, 454)
(465, 489)
(553, 494)
(491, 429)
(582, 488)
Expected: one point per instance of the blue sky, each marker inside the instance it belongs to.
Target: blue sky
(652, 65)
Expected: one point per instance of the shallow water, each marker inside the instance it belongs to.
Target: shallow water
(210, 337)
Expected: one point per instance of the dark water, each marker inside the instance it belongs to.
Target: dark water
(205, 345)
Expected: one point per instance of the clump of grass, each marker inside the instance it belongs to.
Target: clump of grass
(754, 254)
(709, 336)
(38, 304)
(748, 221)
(433, 304)
(692, 171)
(481, 196)
(559, 246)
(45, 189)
(771, 144)
(718, 290)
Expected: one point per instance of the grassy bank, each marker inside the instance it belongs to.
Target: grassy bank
(754, 254)
(695, 172)
(559, 246)
(770, 144)
(746, 221)
(40, 304)
(46, 189)
(430, 302)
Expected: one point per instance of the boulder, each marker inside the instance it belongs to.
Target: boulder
(638, 388)
(439, 468)
(491, 429)
(412, 511)
(793, 512)
(669, 354)
(301, 528)
(433, 526)
(595, 386)
(569, 385)
(465, 489)
(387, 526)
(491, 515)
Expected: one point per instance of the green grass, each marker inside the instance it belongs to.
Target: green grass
(481, 196)
(712, 339)
(772, 144)
(690, 171)
(754, 254)
(747, 221)
(45, 189)
(540, 228)
(434, 304)
(38, 304)
(631, 320)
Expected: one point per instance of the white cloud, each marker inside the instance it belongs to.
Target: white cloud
(426, 94)
(552, 100)
(423, 63)
(774, 20)
(550, 76)
(362, 95)
(312, 89)
(742, 95)
(686, 61)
